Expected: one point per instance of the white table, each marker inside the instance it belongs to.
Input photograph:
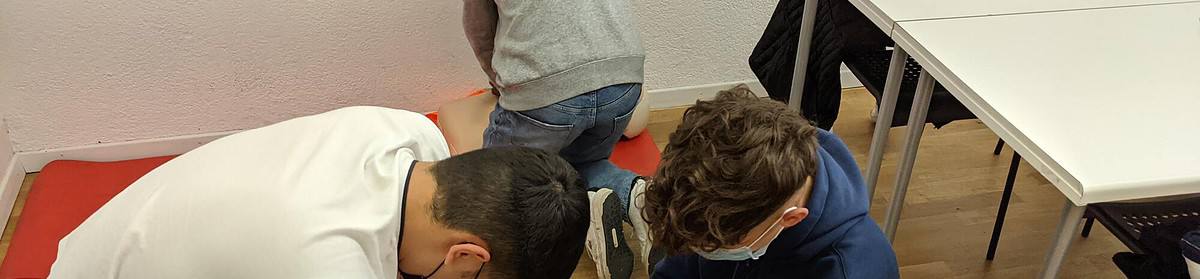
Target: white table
(892, 14)
(1102, 102)
(885, 13)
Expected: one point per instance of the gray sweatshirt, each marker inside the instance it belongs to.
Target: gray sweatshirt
(540, 52)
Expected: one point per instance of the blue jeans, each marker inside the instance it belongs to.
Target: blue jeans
(583, 130)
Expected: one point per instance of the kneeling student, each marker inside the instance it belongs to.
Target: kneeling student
(748, 188)
(359, 192)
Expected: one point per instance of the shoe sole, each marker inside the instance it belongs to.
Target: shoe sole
(610, 252)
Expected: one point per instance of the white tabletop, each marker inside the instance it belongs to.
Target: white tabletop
(885, 13)
(1105, 103)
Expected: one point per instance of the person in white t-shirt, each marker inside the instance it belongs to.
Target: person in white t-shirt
(360, 192)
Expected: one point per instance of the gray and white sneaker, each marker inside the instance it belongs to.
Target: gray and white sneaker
(640, 228)
(606, 237)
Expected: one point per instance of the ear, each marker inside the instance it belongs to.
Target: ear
(466, 258)
(793, 217)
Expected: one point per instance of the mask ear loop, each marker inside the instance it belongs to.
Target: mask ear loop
(764, 234)
(435, 270)
(477, 272)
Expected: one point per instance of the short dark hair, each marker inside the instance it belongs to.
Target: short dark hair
(730, 164)
(530, 206)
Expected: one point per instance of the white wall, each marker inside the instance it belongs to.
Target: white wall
(690, 42)
(89, 72)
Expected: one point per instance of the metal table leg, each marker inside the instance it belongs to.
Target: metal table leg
(1071, 218)
(883, 118)
(807, 22)
(916, 126)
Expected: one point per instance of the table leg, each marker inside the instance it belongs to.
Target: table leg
(916, 126)
(1002, 210)
(883, 118)
(1071, 217)
(807, 22)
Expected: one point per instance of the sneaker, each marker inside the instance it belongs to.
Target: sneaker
(640, 228)
(606, 237)
(1190, 244)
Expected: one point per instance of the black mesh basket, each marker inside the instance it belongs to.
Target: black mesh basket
(871, 68)
(1127, 221)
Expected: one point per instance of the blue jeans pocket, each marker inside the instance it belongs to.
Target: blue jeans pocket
(532, 118)
(620, 122)
(543, 128)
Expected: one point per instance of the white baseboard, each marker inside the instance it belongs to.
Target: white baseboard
(13, 176)
(33, 161)
(688, 95)
(848, 79)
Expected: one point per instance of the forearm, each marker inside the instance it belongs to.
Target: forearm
(479, 23)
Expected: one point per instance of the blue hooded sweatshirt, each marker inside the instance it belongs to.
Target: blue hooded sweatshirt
(837, 239)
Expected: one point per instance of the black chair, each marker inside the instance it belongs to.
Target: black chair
(870, 66)
(1152, 230)
(1127, 221)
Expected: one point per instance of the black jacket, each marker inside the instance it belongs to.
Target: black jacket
(774, 60)
(842, 33)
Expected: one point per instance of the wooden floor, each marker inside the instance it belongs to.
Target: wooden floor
(950, 207)
(15, 215)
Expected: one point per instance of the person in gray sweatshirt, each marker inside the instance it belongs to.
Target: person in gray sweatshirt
(569, 74)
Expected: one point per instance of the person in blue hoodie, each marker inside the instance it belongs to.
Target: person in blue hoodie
(748, 188)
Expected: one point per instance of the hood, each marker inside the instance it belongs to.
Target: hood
(838, 202)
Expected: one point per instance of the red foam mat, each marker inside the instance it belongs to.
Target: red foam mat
(62, 196)
(638, 154)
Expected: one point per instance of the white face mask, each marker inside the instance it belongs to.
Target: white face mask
(745, 252)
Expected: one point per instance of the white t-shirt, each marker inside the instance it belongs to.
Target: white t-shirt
(319, 196)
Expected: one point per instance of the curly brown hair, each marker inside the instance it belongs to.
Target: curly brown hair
(732, 162)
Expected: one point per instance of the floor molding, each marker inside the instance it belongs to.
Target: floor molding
(848, 79)
(33, 161)
(10, 186)
(688, 95)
